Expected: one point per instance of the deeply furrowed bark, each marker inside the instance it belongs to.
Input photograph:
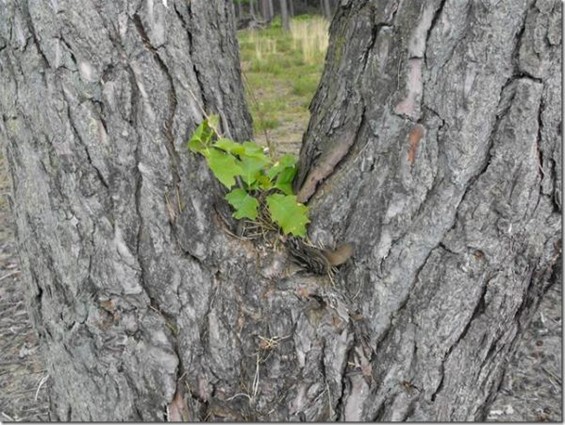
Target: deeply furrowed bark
(433, 147)
(446, 119)
(114, 217)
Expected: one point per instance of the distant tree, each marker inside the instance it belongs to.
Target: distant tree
(267, 9)
(326, 9)
(285, 15)
(239, 9)
(252, 9)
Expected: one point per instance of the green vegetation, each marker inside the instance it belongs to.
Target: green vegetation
(264, 184)
(282, 71)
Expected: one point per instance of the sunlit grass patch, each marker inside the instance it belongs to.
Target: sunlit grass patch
(311, 37)
(281, 72)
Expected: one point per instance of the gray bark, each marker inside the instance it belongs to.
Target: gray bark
(433, 146)
(113, 216)
(444, 119)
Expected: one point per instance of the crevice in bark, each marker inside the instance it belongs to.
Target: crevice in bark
(517, 71)
(132, 120)
(172, 96)
(195, 69)
(478, 310)
(34, 37)
(434, 22)
(492, 351)
(502, 109)
(73, 57)
(540, 155)
(440, 385)
(375, 30)
(83, 143)
(378, 416)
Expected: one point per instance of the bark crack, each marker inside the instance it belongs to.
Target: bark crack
(83, 143)
(192, 55)
(172, 97)
(477, 311)
(35, 38)
(434, 22)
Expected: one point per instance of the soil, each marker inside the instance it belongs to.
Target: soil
(531, 390)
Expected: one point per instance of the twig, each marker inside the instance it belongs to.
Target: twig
(9, 274)
(43, 381)
(239, 395)
(255, 386)
(8, 417)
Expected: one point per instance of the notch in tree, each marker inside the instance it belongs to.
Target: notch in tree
(433, 145)
(263, 182)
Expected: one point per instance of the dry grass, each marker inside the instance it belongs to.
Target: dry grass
(281, 73)
(311, 36)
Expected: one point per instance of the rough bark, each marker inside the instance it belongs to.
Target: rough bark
(113, 215)
(439, 123)
(433, 146)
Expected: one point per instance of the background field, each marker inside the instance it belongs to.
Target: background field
(281, 73)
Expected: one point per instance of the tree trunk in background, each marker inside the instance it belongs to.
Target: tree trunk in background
(291, 8)
(271, 10)
(433, 146)
(252, 9)
(326, 9)
(284, 15)
(266, 10)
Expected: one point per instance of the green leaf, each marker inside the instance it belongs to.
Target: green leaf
(229, 146)
(252, 166)
(253, 149)
(284, 180)
(286, 161)
(201, 137)
(264, 182)
(196, 143)
(245, 205)
(214, 123)
(289, 214)
(224, 166)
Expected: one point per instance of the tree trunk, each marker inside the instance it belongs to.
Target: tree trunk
(266, 10)
(291, 8)
(271, 9)
(433, 147)
(114, 218)
(252, 9)
(326, 9)
(284, 15)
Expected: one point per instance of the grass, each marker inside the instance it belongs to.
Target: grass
(281, 73)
